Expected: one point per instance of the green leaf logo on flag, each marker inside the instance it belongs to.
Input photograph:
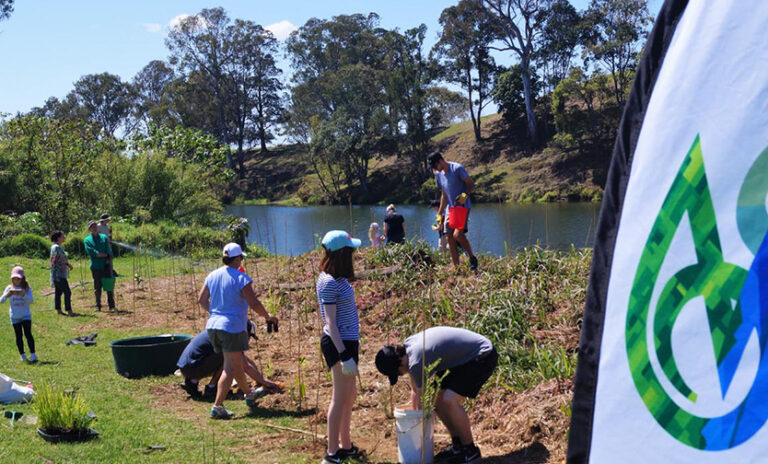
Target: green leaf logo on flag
(734, 305)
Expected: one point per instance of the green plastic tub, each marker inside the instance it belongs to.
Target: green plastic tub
(143, 356)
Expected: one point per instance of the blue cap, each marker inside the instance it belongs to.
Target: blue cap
(338, 239)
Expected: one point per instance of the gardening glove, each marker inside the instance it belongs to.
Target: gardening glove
(348, 365)
(461, 198)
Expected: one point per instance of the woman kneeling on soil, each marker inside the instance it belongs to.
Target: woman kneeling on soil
(340, 341)
(227, 293)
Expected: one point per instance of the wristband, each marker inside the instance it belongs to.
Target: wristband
(345, 355)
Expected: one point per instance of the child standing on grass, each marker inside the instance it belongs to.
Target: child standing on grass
(20, 295)
(374, 236)
(340, 342)
(60, 268)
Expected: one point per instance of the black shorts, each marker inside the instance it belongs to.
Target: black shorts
(204, 367)
(468, 378)
(330, 353)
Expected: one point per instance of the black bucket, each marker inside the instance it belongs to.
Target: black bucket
(142, 356)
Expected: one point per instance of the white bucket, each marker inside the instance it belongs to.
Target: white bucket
(409, 437)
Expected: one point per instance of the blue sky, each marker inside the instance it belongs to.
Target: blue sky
(47, 45)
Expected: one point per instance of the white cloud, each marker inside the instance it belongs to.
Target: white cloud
(153, 28)
(176, 20)
(281, 30)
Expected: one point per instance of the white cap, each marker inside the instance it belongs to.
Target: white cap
(233, 250)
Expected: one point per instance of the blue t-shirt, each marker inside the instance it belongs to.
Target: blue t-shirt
(197, 350)
(452, 182)
(339, 292)
(228, 309)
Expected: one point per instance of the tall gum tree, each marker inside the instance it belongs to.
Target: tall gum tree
(463, 49)
(518, 21)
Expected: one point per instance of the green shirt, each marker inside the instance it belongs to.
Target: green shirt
(95, 245)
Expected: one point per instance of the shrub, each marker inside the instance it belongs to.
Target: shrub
(74, 245)
(27, 245)
(32, 223)
(9, 226)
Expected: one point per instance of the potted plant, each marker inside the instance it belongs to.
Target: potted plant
(63, 416)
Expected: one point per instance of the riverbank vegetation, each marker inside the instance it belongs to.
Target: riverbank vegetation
(363, 107)
(528, 304)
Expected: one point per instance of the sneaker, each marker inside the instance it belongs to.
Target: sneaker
(254, 395)
(33, 358)
(472, 263)
(218, 412)
(469, 455)
(23, 357)
(334, 458)
(447, 454)
(353, 452)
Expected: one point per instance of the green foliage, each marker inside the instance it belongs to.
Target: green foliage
(164, 237)
(69, 173)
(616, 33)
(9, 226)
(233, 66)
(562, 30)
(32, 223)
(585, 111)
(508, 94)
(27, 245)
(61, 411)
(431, 388)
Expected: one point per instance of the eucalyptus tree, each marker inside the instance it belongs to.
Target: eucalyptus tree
(617, 32)
(151, 85)
(234, 63)
(254, 85)
(6, 8)
(103, 99)
(463, 49)
(562, 31)
(519, 23)
(409, 75)
(338, 100)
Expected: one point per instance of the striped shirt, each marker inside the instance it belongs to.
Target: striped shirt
(339, 292)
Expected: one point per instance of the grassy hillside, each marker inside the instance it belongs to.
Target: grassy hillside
(502, 166)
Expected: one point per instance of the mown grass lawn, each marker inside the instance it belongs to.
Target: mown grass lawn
(130, 417)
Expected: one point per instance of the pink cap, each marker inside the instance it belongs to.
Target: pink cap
(17, 271)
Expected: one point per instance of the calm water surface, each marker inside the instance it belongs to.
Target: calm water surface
(493, 228)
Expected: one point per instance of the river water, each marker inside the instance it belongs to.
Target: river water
(493, 228)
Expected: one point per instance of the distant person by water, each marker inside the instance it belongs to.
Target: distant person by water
(442, 239)
(374, 236)
(456, 185)
(394, 225)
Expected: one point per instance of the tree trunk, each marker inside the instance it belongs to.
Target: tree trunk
(527, 92)
(240, 160)
(263, 138)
